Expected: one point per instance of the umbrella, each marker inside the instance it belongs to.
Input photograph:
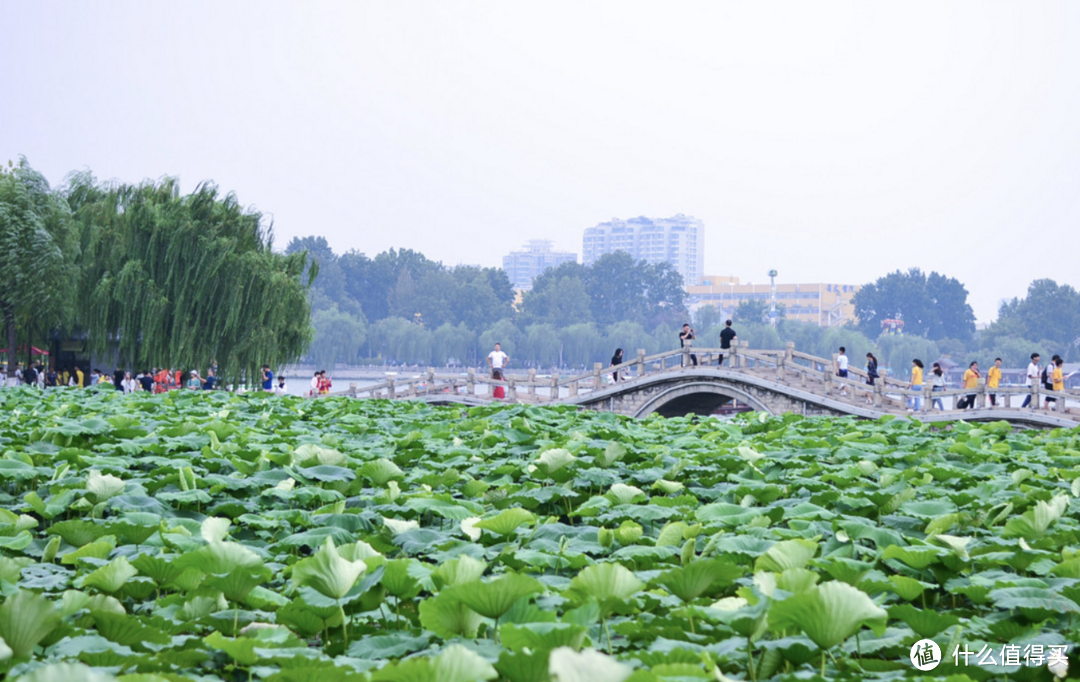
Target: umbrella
(34, 350)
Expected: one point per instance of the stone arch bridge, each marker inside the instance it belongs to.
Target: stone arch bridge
(772, 381)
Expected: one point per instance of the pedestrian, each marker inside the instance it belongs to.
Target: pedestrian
(993, 380)
(128, 383)
(971, 382)
(267, 378)
(314, 384)
(280, 388)
(842, 368)
(686, 338)
(1048, 380)
(194, 383)
(209, 381)
(498, 392)
(616, 359)
(937, 384)
(871, 373)
(118, 379)
(40, 375)
(52, 379)
(146, 382)
(95, 377)
(916, 383)
(727, 337)
(497, 360)
(324, 383)
(29, 376)
(1058, 379)
(1032, 376)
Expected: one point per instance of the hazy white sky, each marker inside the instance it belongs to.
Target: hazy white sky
(833, 141)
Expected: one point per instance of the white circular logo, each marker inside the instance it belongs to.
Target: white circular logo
(925, 654)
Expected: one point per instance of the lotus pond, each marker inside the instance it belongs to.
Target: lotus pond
(212, 536)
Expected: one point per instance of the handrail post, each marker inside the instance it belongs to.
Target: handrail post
(573, 388)
(470, 381)
(532, 381)
(984, 395)
(928, 392)
(1035, 390)
(511, 390)
(390, 388)
(555, 393)
(641, 362)
(826, 377)
(685, 360)
(789, 352)
(780, 367)
(413, 384)
(596, 369)
(352, 389)
(878, 388)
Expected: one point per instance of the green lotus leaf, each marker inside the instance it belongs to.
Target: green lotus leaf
(241, 649)
(507, 521)
(16, 470)
(327, 473)
(1033, 524)
(696, 578)
(112, 576)
(381, 471)
(917, 556)
(449, 617)
(65, 672)
(127, 630)
(463, 569)
(926, 623)
(928, 509)
(495, 597)
(671, 535)
(608, 583)
(552, 461)
(18, 542)
(828, 613)
(621, 493)
(458, 664)
(628, 532)
(26, 618)
(612, 453)
(220, 558)
(797, 580)
(215, 529)
(524, 666)
(567, 665)
(101, 487)
(786, 554)
(908, 588)
(327, 572)
(542, 636)
(310, 454)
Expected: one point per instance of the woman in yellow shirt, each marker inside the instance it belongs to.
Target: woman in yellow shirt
(916, 382)
(993, 380)
(1058, 377)
(971, 380)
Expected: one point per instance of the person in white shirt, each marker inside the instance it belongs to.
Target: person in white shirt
(841, 368)
(1032, 375)
(315, 384)
(497, 360)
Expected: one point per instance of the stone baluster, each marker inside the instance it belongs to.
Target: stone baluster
(532, 382)
(470, 382)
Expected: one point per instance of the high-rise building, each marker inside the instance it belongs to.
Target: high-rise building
(523, 266)
(679, 240)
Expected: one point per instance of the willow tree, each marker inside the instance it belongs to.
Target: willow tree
(38, 257)
(184, 281)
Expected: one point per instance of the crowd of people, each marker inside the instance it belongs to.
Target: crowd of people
(1051, 378)
(157, 380)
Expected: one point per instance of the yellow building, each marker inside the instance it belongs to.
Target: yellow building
(827, 305)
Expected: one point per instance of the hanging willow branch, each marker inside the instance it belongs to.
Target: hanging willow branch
(183, 281)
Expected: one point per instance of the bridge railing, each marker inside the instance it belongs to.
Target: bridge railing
(787, 366)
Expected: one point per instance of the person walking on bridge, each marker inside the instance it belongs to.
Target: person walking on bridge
(616, 359)
(1032, 375)
(993, 380)
(686, 338)
(727, 337)
(971, 382)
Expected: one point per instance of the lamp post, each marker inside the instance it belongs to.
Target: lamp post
(772, 304)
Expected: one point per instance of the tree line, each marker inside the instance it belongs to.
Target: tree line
(147, 275)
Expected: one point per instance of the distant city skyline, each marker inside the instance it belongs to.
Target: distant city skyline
(678, 240)
(835, 142)
(537, 256)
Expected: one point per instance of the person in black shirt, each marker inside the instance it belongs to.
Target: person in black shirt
(51, 378)
(208, 382)
(687, 335)
(118, 379)
(30, 376)
(146, 381)
(727, 336)
(616, 360)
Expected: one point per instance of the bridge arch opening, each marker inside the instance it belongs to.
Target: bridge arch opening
(700, 398)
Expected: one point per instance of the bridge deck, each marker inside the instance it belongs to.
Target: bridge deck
(773, 381)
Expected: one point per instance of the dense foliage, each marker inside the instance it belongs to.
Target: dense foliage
(1049, 312)
(39, 250)
(180, 281)
(933, 306)
(206, 536)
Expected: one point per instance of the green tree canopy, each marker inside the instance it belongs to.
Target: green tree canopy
(338, 337)
(933, 306)
(181, 281)
(1049, 311)
(40, 257)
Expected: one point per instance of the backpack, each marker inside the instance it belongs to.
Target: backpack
(1044, 378)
